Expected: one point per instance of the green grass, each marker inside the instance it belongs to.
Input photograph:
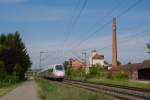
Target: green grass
(5, 90)
(130, 83)
(124, 82)
(49, 90)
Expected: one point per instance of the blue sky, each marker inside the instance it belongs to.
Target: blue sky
(44, 26)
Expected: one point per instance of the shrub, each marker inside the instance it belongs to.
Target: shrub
(2, 71)
(5, 79)
(18, 72)
(109, 75)
(97, 71)
(75, 73)
(11, 79)
(121, 75)
(8, 80)
(68, 72)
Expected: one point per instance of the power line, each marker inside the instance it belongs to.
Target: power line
(75, 54)
(72, 25)
(104, 17)
(129, 8)
(133, 35)
(69, 25)
(75, 21)
(108, 22)
(121, 14)
(126, 39)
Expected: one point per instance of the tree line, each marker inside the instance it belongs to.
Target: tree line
(14, 59)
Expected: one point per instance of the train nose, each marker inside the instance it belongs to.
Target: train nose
(60, 74)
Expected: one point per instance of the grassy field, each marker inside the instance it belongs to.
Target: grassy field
(130, 83)
(49, 90)
(7, 89)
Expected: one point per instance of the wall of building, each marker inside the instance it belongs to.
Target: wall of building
(98, 61)
(76, 64)
(134, 75)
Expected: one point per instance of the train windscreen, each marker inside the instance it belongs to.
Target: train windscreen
(59, 67)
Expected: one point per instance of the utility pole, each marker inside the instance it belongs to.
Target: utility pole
(40, 61)
(84, 58)
(84, 55)
(41, 52)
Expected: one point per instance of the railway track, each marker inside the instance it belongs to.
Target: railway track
(117, 91)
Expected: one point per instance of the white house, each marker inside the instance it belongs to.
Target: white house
(96, 58)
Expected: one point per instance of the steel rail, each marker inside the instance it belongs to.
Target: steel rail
(122, 92)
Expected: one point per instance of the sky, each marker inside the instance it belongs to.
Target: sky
(66, 28)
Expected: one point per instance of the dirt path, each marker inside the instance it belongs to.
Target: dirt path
(27, 91)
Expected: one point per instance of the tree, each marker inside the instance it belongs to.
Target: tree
(129, 62)
(118, 62)
(12, 52)
(2, 71)
(66, 64)
(96, 71)
(69, 71)
(121, 75)
(148, 46)
(18, 71)
(2, 39)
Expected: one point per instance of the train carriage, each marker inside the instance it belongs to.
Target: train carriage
(53, 72)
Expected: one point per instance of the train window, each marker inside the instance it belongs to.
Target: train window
(59, 67)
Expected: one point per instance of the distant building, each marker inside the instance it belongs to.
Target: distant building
(135, 71)
(96, 58)
(31, 73)
(75, 63)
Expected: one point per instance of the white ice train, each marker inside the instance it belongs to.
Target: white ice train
(53, 72)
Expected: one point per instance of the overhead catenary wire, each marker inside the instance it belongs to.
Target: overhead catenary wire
(69, 27)
(75, 21)
(71, 21)
(127, 39)
(108, 22)
(104, 17)
(105, 24)
(91, 35)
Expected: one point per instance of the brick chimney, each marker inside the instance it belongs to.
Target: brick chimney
(114, 44)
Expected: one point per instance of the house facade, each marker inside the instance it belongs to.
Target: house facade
(75, 63)
(96, 58)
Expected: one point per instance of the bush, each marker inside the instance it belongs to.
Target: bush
(122, 75)
(11, 79)
(109, 75)
(68, 72)
(5, 79)
(75, 73)
(2, 71)
(96, 71)
(8, 80)
(18, 72)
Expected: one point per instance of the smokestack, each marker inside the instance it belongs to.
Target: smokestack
(114, 44)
